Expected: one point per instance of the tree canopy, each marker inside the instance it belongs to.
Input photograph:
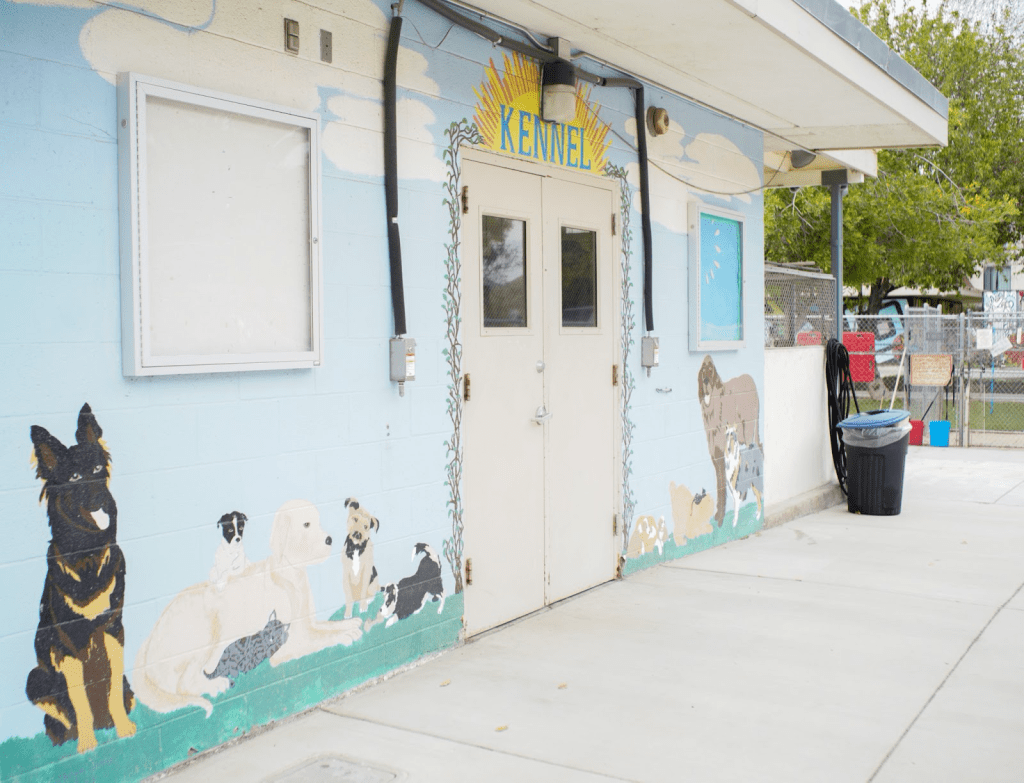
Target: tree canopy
(932, 215)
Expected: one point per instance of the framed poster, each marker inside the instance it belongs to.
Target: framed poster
(220, 231)
(716, 278)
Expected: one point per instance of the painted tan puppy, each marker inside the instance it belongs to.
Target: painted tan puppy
(647, 536)
(691, 514)
(357, 559)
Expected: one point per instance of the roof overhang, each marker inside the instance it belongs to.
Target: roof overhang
(805, 72)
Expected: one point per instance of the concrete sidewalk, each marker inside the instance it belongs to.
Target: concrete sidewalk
(835, 648)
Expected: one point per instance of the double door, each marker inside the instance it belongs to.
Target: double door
(540, 426)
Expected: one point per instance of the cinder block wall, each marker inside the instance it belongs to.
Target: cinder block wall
(186, 450)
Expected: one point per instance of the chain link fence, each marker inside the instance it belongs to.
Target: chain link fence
(965, 369)
(799, 307)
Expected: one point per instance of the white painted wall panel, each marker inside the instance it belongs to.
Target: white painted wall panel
(797, 454)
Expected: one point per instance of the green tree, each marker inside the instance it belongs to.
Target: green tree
(931, 215)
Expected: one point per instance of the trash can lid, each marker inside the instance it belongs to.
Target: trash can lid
(871, 419)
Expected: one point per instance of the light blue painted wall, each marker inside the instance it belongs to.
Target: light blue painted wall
(187, 449)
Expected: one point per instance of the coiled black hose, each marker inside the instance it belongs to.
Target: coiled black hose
(840, 390)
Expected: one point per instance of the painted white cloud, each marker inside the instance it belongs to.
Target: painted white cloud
(59, 3)
(722, 166)
(356, 141)
(709, 163)
(668, 195)
(238, 52)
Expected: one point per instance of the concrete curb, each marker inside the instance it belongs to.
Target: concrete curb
(825, 496)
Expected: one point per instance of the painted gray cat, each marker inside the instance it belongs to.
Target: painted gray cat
(247, 653)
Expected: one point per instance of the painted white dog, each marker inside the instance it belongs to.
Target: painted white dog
(201, 621)
(228, 561)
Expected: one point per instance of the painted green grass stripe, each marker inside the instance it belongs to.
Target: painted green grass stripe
(748, 524)
(260, 696)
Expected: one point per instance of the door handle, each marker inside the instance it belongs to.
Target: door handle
(542, 415)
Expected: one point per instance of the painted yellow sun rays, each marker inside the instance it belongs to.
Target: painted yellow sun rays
(508, 117)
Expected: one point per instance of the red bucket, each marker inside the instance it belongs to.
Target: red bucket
(916, 432)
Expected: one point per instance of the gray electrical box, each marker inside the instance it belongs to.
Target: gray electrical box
(649, 353)
(403, 361)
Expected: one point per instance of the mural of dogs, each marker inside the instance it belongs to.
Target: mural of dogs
(229, 559)
(691, 514)
(647, 536)
(79, 680)
(413, 592)
(744, 469)
(357, 559)
(197, 626)
(733, 403)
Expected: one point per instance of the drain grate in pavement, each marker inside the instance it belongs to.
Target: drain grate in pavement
(332, 769)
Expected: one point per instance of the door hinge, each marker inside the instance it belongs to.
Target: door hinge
(613, 224)
(465, 387)
(469, 571)
(615, 375)
(615, 524)
(465, 199)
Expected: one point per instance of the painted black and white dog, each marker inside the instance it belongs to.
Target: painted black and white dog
(413, 592)
(229, 559)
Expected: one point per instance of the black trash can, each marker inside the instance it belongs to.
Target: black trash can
(876, 454)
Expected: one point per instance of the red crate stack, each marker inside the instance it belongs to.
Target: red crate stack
(861, 346)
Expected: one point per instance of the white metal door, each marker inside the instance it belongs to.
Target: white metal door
(579, 334)
(539, 425)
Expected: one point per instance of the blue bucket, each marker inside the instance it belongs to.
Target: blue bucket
(938, 433)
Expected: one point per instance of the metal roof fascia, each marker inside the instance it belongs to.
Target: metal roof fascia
(841, 22)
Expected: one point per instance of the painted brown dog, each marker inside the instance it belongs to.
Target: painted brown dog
(79, 679)
(723, 404)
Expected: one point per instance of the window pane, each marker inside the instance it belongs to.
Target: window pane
(579, 277)
(504, 273)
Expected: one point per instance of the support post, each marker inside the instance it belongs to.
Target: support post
(836, 181)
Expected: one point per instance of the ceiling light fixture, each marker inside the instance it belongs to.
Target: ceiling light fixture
(801, 158)
(558, 91)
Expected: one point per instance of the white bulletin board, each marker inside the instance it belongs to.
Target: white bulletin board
(220, 228)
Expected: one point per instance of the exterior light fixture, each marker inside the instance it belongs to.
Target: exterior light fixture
(558, 91)
(801, 158)
(657, 121)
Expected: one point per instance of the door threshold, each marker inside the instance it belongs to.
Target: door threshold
(535, 612)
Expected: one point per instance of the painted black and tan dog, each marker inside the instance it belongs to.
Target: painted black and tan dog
(79, 681)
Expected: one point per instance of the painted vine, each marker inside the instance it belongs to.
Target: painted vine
(628, 326)
(458, 133)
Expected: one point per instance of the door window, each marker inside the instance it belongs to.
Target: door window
(504, 272)
(579, 277)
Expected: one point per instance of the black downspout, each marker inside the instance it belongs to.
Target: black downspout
(645, 209)
(639, 113)
(391, 175)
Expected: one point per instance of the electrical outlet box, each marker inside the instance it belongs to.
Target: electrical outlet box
(291, 36)
(649, 352)
(403, 359)
(326, 46)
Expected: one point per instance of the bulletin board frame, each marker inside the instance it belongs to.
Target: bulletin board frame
(716, 245)
(220, 226)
